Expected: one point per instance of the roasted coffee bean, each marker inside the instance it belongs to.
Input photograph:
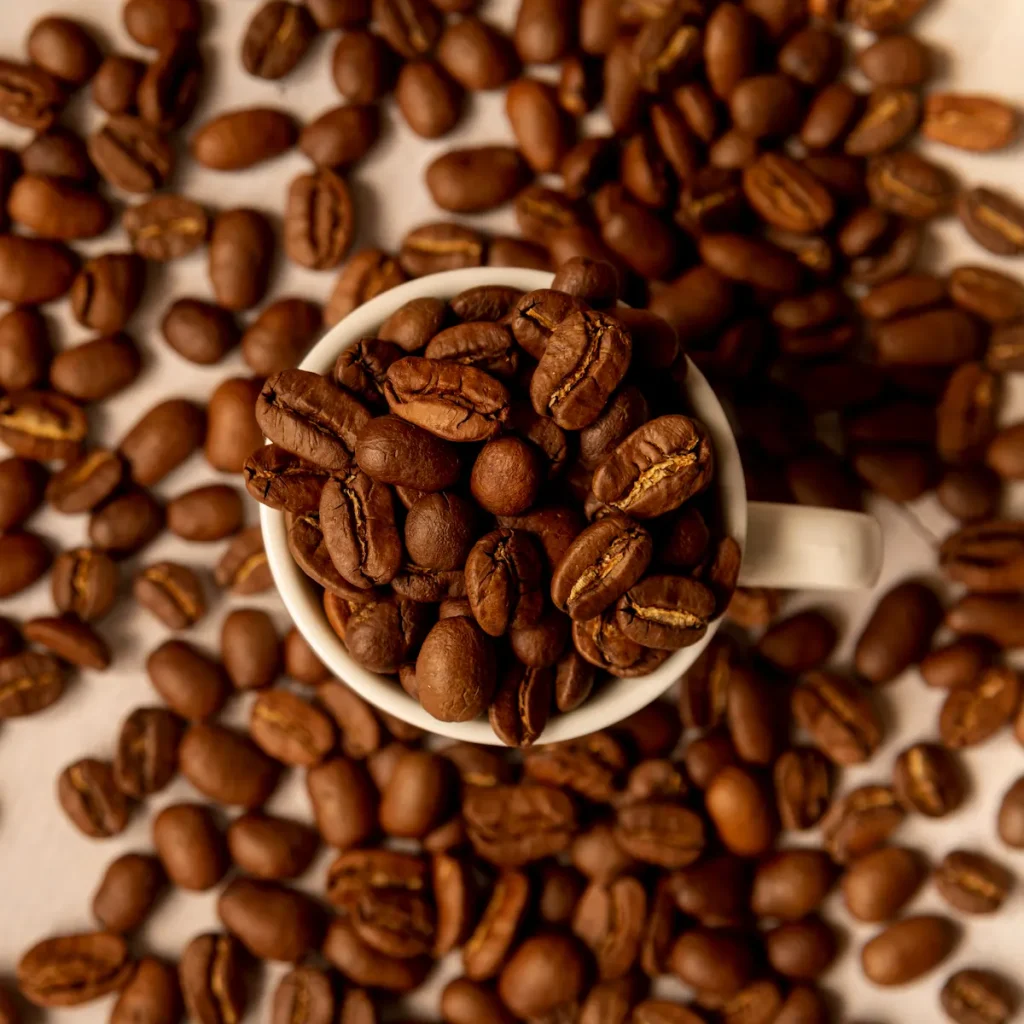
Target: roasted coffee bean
(542, 212)
(243, 568)
(147, 751)
(284, 481)
(903, 295)
(860, 822)
(802, 787)
(602, 643)
(190, 846)
(70, 639)
(993, 296)
(592, 766)
(507, 476)
(839, 716)
(29, 682)
(96, 369)
(888, 16)
(89, 796)
(126, 523)
(974, 996)
(232, 433)
(162, 439)
(986, 557)
(878, 885)
(250, 648)
(927, 779)
(623, 224)
(514, 825)
(716, 962)
(382, 634)
(475, 54)
(413, 324)
(306, 414)
(799, 643)
(958, 663)
(801, 949)
(972, 883)
(907, 184)
(969, 493)
(488, 346)
(131, 154)
(34, 270)
(290, 729)
(29, 96)
(428, 99)
(192, 684)
(455, 670)
(792, 884)
(271, 848)
(504, 251)
(503, 581)
(521, 705)
(537, 122)
(304, 993)
(993, 220)
(364, 965)
(199, 331)
(362, 368)
(362, 67)
(307, 547)
(976, 123)
(211, 976)
(739, 809)
(939, 337)
(276, 39)
(966, 414)
(319, 220)
(153, 22)
(545, 972)
(891, 115)
(610, 920)
(666, 612)
(440, 530)
(84, 583)
(786, 195)
(908, 949)
(597, 855)
(660, 833)
(225, 766)
(207, 513)
(172, 592)
(240, 252)
(24, 349)
(166, 227)
(476, 179)
(116, 82)
(24, 558)
(107, 291)
(239, 139)
(54, 208)
(169, 89)
(360, 732)
(658, 467)
(430, 249)
(536, 315)
(729, 44)
(883, 652)
(464, 1001)
(22, 484)
(127, 891)
(341, 136)
(1010, 818)
(453, 402)
(69, 970)
(973, 714)
(543, 30)
(273, 922)
(344, 802)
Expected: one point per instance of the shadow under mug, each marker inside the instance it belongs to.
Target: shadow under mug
(784, 546)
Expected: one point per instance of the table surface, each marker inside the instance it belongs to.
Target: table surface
(48, 870)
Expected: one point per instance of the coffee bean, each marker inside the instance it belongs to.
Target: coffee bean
(882, 653)
(212, 979)
(974, 996)
(969, 493)
(224, 766)
(738, 807)
(243, 138)
(166, 227)
(476, 179)
(432, 248)
(488, 346)
(464, 1001)
(610, 919)
(1003, 453)
(304, 992)
(792, 884)
(22, 484)
(546, 971)
(891, 115)
(269, 847)
(993, 296)
(29, 682)
(106, 293)
(169, 89)
(199, 331)
(666, 48)
(802, 787)
(344, 802)
(993, 220)
(364, 965)
(96, 369)
(972, 883)
(284, 481)
(131, 154)
(147, 752)
(190, 846)
(888, 16)
(340, 137)
(240, 252)
(877, 886)
(907, 184)
(440, 530)
(115, 84)
(940, 337)
(153, 22)
(799, 643)
(69, 970)
(271, 921)
(717, 962)
(319, 220)
(801, 949)
(729, 44)
(514, 825)
(172, 592)
(860, 822)
(1010, 818)
(29, 96)
(475, 54)
(162, 439)
(289, 729)
(24, 349)
(84, 582)
(928, 779)
(975, 123)
(966, 414)
(207, 513)
(455, 670)
(362, 67)
(908, 949)
(70, 639)
(987, 557)
(34, 270)
(250, 648)
(89, 796)
(24, 557)
(428, 99)
(972, 714)
(903, 295)
(53, 208)
(786, 195)
(243, 568)
(307, 547)
(126, 523)
(276, 39)
(126, 893)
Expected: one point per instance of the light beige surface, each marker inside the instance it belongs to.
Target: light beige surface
(48, 870)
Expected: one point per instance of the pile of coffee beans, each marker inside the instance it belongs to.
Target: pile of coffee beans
(764, 215)
(471, 600)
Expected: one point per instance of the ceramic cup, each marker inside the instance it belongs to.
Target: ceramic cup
(786, 546)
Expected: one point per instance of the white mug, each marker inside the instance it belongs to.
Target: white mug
(785, 546)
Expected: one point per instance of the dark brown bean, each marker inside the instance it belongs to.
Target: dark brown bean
(90, 798)
(172, 593)
(162, 439)
(166, 227)
(131, 154)
(928, 779)
(71, 640)
(973, 714)
(211, 976)
(225, 766)
(127, 891)
(908, 949)
(276, 39)
(69, 970)
(190, 846)
(24, 349)
(84, 583)
(96, 369)
(239, 139)
(147, 751)
(240, 252)
(341, 136)
(115, 85)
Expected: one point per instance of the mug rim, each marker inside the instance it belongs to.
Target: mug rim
(617, 698)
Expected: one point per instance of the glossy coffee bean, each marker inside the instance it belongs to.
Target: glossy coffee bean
(190, 846)
(130, 886)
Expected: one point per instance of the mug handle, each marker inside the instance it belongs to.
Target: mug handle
(792, 547)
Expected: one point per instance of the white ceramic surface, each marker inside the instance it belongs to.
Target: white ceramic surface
(794, 546)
